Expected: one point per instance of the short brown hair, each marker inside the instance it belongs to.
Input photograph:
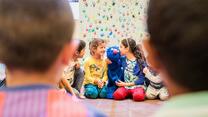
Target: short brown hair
(81, 45)
(94, 44)
(33, 32)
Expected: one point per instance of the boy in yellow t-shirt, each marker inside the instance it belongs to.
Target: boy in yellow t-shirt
(96, 71)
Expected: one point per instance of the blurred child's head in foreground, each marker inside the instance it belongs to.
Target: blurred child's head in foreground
(35, 35)
(178, 43)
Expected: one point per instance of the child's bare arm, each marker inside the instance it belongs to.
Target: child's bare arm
(60, 84)
(121, 84)
(67, 86)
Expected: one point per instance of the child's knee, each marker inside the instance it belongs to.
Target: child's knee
(119, 94)
(151, 93)
(91, 93)
(139, 95)
(164, 95)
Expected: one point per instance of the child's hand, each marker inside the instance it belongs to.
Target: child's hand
(145, 70)
(120, 83)
(108, 61)
(100, 84)
(96, 81)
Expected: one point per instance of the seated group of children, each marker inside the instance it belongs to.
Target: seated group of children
(135, 79)
(36, 43)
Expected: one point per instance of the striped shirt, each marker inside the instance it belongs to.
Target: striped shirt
(2, 71)
(40, 101)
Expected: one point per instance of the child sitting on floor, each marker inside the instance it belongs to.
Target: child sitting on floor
(73, 75)
(96, 71)
(133, 76)
(155, 89)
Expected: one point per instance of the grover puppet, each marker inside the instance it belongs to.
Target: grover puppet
(115, 71)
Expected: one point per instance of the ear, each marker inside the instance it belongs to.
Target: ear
(152, 56)
(68, 52)
(76, 53)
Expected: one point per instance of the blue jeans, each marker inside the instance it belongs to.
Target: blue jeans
(78, 79)
(92, 91)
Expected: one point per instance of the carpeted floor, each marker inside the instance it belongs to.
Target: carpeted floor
(125, 108)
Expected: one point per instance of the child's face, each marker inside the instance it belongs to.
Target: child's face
(100, 49)
(123, 49)
(82, 53)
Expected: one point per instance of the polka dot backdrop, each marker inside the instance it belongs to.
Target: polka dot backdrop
(113, 20)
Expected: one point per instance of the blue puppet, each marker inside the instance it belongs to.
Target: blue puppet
(115, 71)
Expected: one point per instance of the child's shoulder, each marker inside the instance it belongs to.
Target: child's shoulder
(88, 60)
